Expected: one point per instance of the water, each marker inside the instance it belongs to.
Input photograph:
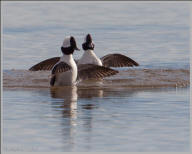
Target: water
(144, 108)
(153, 34)
(131, 78)
(96, 120)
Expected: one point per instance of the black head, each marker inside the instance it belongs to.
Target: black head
(73, 43)
(88, 44)
(89, 38)
(69, 45)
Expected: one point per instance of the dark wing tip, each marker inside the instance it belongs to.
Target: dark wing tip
(45, 65)
(118, 60)
(91, 71)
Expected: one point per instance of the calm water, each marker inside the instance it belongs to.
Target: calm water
(153, 34)
(96, 120)
(156, 35)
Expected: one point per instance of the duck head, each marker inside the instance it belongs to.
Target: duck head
(69, 45)
(88, 44)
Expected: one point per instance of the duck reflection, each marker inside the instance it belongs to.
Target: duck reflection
(90, 93)
(80, 116)
(66, 103)
(69, 102)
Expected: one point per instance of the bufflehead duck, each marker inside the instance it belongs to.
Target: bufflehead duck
(110, 60)
(64, 69)
(64, 72)
(89, 57)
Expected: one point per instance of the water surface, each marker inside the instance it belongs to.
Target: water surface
(144, 108)
(72, 119)
(155, 34)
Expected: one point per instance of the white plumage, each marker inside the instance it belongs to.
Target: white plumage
(66, 42)
(89, 57)
(69, 77)
(63, 76)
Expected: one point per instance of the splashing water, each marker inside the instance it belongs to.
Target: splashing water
(126, 78)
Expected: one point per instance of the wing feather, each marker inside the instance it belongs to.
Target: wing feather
(89, 71)
(45, 65)
(61, 67)
(118, 60)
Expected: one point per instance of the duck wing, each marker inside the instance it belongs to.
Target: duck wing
(60, 67)
(118, 60)
(90, 71)
(45, 65)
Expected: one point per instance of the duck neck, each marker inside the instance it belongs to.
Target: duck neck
(67, 58)
(89, 51)
(67, 50)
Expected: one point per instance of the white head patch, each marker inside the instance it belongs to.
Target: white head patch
(66, 42)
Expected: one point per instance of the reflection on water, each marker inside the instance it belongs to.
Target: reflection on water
(97, 119)
(70, 95)
(69, 104)
(90, 93)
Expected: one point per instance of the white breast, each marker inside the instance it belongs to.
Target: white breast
(68, 77)
(89, 57)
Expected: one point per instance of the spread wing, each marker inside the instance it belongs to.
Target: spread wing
(118, 60)
(88, 71)
(45, 65)
(61, 67)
